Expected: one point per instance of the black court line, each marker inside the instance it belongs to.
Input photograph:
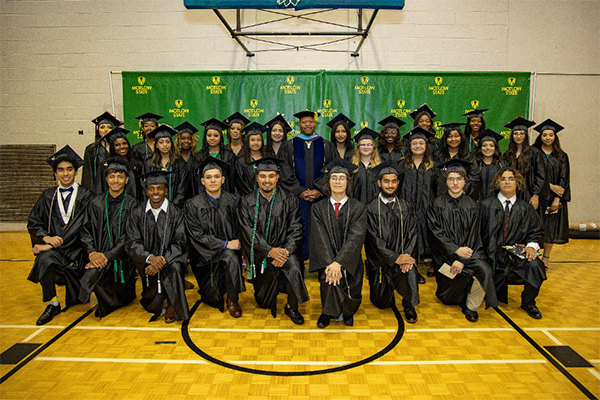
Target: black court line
(45, 346)
(186, 337)
(19, 260)
(551, 359)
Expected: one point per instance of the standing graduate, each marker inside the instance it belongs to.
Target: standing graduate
(277, 134)
(156, 243)
(253, 150)
(96, 153)
(391, 239)
(271, 240)
(119, 147)
(186, 145)
(474, 128)
(390, 145)
(236, 129)
(341, 137)
(489, 160)
(212, 226)
(144, 149)
(338, 228)
(53, 226)
(507, 220)
(556, 214)
(305, 156)
(108, 271)
(423, 117)
(365, 158)
(453, 221)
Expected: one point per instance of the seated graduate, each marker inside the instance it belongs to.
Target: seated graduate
(156, 244)
(53, 225)
(212, 226)
(507, 220)
(143, 150)
(337, 234)
(453, 220)
(365, 158)
(253, 149)
(272, 241)
(341, 137)
(109, 272)
(390, 144)
(390, 244)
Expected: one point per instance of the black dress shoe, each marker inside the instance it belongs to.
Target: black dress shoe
(471, 316)
(430, 272)
(410, 315)
(532, 310)
(420, 278)
(50, 312)
(294, 315)
(349, 321)
(323, 321)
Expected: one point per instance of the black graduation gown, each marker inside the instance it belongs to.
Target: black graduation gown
(144, 238)
(177, 182)
(418, 186)
(523, 227)
(488, 171)
(114, 287)
(141, 151)
(441, 156)
(45, 220)
(224, 155)
(455, 223)
(365, 184)
(328, 245)
(133, 186)
(394, 156)
(92, 174)
(536, 181)
(208, 225)
(391, 231)
(556, 226)
(285, 231)
(245, 178)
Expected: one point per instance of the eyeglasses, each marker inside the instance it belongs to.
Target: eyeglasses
(338, 179)
(366, 145)
(460, 178)
(504, 179)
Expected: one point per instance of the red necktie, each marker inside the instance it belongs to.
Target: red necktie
(337, 209)
(506, 219)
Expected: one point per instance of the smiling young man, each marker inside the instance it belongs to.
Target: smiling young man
(108, 271)
(53, 225)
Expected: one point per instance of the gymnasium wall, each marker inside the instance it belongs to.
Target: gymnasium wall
(55, 58)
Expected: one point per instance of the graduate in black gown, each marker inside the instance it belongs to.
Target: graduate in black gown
(391, 239)
(305, 156)
(277, 134)
(555, 207)
(213, 231)
(186, 146)
(390, 144)
(156, 243)
(53, 225)
(271, 236)
(507, 220)
(474, 128)
(365, 158)
(108, 271)
(164, 159)
(489, 159)
(341, 136)
(236, 131)
(338, 229)
(96, 153)
(423, 116)
(143, 150)
(253, 149)
(463, 276)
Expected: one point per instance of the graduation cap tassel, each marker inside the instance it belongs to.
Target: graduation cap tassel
(380, 272)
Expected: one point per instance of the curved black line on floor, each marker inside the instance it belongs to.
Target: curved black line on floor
(551, 359)
(381, 353)
(45, 346)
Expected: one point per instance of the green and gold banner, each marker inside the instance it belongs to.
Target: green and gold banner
(364, 96)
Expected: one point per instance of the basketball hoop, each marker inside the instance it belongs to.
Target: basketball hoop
(288, 3)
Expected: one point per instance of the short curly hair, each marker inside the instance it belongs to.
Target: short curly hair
(518, 177)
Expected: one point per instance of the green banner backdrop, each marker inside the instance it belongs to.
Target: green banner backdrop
(364, 96)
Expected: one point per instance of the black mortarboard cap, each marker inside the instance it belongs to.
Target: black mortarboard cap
(339, 165)
(255, 129)
(215, 124)
(418, 133)
(549, 124)
(149, 117)
(155, 177)
(68, 154)
(386, 167)
(211, 162)
(279, 118)
(519, 123)
(107, 117)
(392, 122)
(365, 133)
(116, 133)
(477, 113)
(455, 165)
(162, 131)
(267, 164)
(341, 118)
(452, 126)
(186, 127)
(237, 117)
(116, 164)
(307, 113)
(423, 108)
(489, 135)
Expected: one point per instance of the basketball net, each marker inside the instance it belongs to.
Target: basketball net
(288, 3)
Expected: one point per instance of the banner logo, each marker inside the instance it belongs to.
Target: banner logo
(474, 104)
(364, 124)
(216, 88)
(327, 112)
(511, 89)
(290, 88)
(253, 112)
(439, 131)
(364, 88)
(400, 112)
(179, 112)
(141, 88)
(438, 88)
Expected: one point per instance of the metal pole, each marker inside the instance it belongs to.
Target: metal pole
(232, 33)
(532, 99)
(365, 33)
(112, 94)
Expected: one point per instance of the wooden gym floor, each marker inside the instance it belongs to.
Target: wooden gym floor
(506, 355)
